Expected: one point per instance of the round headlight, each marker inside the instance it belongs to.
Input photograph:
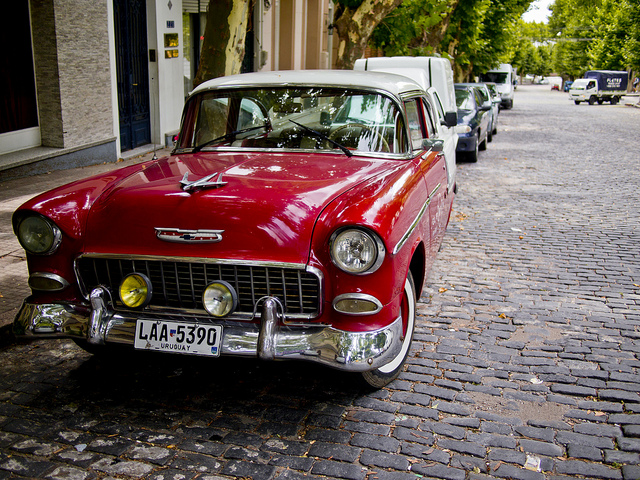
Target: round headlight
(135, 290)
(356, 251)
(220, 299)
(38, 235)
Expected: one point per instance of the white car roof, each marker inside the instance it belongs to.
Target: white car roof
(417, 75)
(396, 85)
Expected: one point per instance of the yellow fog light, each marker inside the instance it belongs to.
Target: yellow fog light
(357, 304)
(135, 290)
(220, 299)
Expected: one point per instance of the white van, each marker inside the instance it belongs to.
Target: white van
(504, 78)
(435, 76)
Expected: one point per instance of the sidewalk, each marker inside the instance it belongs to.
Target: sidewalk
(13, 193)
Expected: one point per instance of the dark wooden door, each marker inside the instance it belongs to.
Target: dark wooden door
(132, 72)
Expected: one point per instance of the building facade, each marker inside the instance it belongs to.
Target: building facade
(93, 80)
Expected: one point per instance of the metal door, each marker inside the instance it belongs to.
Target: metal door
(132, 72)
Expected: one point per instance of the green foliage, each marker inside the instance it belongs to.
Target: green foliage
(403, 31)
(531, 50)
(595, 35)
(477, 34)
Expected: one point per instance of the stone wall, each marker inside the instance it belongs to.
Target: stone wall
(71, 51)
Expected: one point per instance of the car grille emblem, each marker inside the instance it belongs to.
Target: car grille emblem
(178, 235)
(202, 183)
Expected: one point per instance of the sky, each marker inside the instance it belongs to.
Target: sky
(538, 11)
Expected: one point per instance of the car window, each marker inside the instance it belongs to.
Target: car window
(430, 118)
(479, 99)
(250, 114)
(484, 95)
(294, 118)
(414, 118)
(439, 107)
(464, 99)
(495, 77)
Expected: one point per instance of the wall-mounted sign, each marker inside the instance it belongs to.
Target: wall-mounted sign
(171, 40)
(171, 24)
(172, 53)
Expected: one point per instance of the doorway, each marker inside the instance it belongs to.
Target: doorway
(130, 18)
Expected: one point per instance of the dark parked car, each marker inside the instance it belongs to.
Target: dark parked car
(297, 218)
(474, 112)
(496, 100)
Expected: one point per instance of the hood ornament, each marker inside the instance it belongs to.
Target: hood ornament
(178, 235)
(202, 183)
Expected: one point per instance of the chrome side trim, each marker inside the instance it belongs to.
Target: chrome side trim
(349, 351)
(413, 226)
(216, 261)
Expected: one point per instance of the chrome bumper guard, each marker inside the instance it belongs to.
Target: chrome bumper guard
(270, 340)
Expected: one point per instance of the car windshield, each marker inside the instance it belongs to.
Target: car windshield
(579, 84)
(319, 119)
(464, 99)
(494, 77)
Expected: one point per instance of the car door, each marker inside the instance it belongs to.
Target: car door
(447, 134)
(483, 115)
(433, 166)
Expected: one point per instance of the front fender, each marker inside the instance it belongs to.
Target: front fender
(389, 206)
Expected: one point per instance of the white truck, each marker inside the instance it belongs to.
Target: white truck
(599, 86)
(505, 79)
(435, 76)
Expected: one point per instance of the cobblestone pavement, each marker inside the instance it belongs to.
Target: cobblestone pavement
(525, 361)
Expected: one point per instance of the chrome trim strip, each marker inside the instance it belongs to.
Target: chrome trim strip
(358, 296)
(220, 261)
(413, 226)
(343, 350)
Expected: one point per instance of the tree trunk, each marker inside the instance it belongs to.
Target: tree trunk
(224, 39)
(355, 26)
(435, 35)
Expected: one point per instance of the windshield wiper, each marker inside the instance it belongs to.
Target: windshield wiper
(228, 136)
(322, 136)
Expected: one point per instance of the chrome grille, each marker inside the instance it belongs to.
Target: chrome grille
(179, 284)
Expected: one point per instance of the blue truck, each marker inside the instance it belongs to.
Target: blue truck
(599, 86)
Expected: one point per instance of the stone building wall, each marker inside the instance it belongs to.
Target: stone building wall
(71, 52)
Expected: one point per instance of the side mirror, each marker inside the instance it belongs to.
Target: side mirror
(450, 119)
(433, 144)
(485, 107)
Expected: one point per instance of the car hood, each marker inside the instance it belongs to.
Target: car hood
(266, 208)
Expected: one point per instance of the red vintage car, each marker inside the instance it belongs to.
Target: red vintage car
(296, 218)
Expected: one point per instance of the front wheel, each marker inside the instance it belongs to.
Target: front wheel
(384, 375)
(592, 100)
(577, 102)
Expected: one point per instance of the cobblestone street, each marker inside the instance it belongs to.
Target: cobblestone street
(525, 363)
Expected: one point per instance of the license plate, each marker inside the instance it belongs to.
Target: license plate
(178, 337)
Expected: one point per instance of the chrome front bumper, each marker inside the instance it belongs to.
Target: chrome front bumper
(269, 340)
